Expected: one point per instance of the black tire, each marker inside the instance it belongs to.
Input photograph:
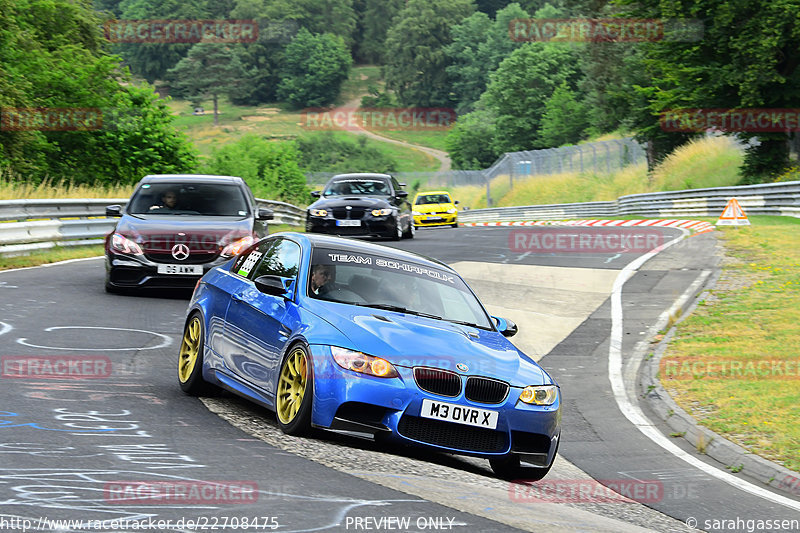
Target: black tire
(454, 225)
(190, 358)
(409, 234)
(398, 231)
(293, 418)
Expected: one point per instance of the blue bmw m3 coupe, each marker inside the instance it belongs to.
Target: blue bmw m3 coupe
(347, 335)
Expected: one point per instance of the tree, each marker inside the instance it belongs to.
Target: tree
(317, 16)
(269, 168)
(478, 47)
(470, 141)
(152, 60)
(748, 57)
(326, 152)
(521, 86)
(52, 57)
(416, 61)
(377, 19)
(564, 120)
(313, 69)
(210, 70)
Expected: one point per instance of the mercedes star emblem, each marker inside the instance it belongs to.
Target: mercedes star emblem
(180, 252)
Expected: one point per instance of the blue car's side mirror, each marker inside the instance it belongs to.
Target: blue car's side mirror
(506, 327)
(274, 285)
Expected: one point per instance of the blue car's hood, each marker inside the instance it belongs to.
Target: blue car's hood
(407, 340)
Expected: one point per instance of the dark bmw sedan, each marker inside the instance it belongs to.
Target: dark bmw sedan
(369, 205)
(177, 227)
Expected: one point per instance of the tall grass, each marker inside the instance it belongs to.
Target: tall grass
(708, 162)
(11, 189)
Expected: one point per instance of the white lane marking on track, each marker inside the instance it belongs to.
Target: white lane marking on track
(164, 343)
(632, 411)
(5, 328)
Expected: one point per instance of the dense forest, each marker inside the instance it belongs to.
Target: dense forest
(512, 91)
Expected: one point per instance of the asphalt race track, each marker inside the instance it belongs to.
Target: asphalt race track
(80, 449)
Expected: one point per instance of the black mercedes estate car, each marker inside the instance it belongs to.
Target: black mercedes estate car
(361, 205)
(176, 227)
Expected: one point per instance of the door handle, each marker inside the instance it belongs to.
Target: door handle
(237, 297)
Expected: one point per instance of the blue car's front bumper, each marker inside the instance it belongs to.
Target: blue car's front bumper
(347, 400)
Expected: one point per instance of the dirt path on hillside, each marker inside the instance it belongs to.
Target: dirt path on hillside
(442, 157)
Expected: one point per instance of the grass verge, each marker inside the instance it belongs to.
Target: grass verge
(51, 255)
(734, 364)
(708, 162)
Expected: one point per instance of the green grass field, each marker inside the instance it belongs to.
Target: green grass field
(738, 350)
(709, 162)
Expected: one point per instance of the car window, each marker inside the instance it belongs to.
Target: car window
(206, 199)
(358, 186)
(433, 199)
(369, 280)
(247, 260)
(281, 259)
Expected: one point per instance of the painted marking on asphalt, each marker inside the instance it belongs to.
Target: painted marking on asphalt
(5, 328)
(164, 343)
(633, 412)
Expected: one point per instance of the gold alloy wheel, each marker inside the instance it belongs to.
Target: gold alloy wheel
(292, 385)
(190, 349)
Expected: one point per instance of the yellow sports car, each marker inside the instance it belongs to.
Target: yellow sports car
(434, 208)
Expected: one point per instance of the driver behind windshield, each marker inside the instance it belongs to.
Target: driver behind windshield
(169, 201)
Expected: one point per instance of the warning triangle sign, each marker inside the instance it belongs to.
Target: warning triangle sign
(733, 215)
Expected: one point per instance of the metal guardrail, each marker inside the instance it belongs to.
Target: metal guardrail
(781, 199)
(28, 225)
(75, 222)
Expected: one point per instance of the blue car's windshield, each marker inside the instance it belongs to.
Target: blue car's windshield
(391, 284)
(205, 199)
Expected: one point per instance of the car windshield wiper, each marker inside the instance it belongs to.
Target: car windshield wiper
(464, 323)
(400, 309)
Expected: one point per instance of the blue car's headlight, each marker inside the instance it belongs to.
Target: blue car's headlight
(539, 394)
(363, 363)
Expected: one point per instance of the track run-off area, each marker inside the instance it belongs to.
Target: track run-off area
(587, 301)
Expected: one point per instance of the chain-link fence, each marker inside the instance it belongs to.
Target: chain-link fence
(601, 157)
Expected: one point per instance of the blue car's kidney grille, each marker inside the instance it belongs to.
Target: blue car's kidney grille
(452, 435)
(437, 381)
(485, 390)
